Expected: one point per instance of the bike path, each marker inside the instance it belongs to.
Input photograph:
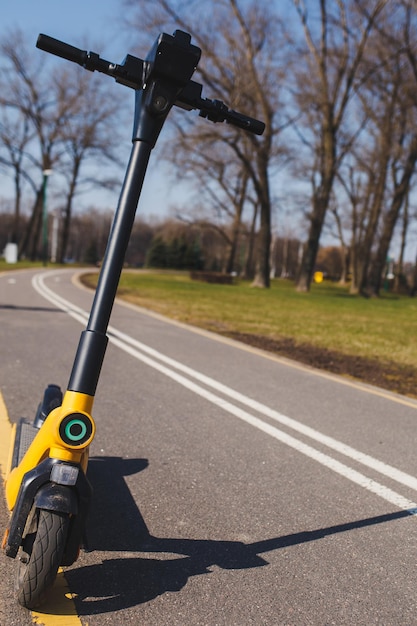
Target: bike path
(237, 506)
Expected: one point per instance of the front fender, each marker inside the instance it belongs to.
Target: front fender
(60, 498)
(37, 488)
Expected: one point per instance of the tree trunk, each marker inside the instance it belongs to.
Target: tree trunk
(400, 268)
(312, 245)
(237, 219)
(364, 246)
(16, 217)
(390, 220)
(68, 213)
(262, 250)
(262, 271)
(27, 243)
(230, 265)
(345, 254)
(321, 199)
(413, 290)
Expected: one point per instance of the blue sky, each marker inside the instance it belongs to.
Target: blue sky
(73, 21)
(94, 25)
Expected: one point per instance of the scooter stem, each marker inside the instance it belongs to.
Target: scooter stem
(119, 238)
(93, 342)
(166, 71)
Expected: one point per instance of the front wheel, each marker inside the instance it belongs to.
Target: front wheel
(40, 557)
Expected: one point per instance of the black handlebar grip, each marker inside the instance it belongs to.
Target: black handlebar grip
(246, 123)
(61, 49)
(254, 126)
(257, 127)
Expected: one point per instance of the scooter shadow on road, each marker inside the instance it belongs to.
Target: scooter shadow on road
(116, 524)
(41, 309)
(114, 521)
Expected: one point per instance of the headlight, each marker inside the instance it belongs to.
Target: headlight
(64, 474)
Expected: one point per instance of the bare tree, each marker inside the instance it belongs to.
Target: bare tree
(240, 65)
(378, 171)
(90, 132)
(373, 160)
(15, 136)
(399, 274)
(327, 80)
(63, 120)
(29, 93)
(401, 176)
(223, 187)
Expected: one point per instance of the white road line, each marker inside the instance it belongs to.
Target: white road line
(387, 470)
(324, 459)
(370, 462)
(137, 349)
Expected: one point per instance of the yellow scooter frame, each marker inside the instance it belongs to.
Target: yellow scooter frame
(49, 443)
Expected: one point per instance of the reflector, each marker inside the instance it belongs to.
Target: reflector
(64, 474)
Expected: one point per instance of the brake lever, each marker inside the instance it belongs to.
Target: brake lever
(216, 110)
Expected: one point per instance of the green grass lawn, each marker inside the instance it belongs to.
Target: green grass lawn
(373, 340)
(7, 267)
(382, 328)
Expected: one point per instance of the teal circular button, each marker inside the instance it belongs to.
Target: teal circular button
(75, 430)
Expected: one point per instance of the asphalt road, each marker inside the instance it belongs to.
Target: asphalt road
(231, 488)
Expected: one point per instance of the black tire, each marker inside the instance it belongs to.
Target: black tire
(40, 558)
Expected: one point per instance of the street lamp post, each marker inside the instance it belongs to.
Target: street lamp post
(46, 174)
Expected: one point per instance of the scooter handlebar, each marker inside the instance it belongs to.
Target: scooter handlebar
(216, 110)
(89, 60)
(234, 118)
(130, 73)
(61, 49)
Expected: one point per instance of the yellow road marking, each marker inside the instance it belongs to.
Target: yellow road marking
(60, 610)
(6, 436)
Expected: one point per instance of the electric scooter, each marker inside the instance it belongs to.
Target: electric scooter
(47, 489)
